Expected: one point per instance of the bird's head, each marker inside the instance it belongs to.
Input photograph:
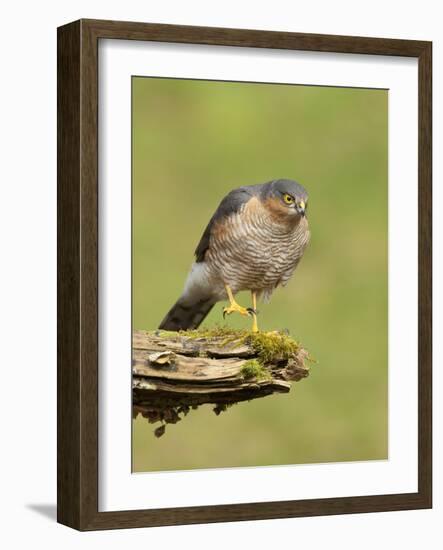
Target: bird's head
(286, 198)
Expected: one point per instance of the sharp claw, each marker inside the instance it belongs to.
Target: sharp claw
(251, 311)
(236, 308)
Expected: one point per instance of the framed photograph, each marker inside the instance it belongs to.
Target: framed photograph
(244, 274)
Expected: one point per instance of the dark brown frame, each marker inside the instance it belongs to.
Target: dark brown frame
(77, 456)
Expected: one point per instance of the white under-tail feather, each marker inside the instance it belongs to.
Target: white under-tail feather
(196, 301)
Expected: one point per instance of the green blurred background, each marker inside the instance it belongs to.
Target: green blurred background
(193, 141)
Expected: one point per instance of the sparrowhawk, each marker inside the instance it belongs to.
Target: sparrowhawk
(254, 242)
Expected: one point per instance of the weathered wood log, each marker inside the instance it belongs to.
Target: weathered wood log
(176, 371)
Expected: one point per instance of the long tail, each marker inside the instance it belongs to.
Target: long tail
(186, 314)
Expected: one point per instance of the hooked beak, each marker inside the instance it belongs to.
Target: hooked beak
(301, 208)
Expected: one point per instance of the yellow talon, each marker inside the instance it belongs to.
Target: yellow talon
(234, 307)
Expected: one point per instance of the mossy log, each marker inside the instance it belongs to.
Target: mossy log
(176, 371)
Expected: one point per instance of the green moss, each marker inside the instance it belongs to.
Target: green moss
(254, 369)
(272, 346)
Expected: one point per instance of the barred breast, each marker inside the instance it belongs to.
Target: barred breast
(251, 250)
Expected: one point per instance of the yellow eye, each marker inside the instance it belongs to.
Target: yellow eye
(288, 199)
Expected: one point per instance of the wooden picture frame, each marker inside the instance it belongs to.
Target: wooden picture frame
(78, 274)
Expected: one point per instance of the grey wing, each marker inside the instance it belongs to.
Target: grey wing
(228, 206)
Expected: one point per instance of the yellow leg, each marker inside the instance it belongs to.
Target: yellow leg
(233, 306)
(254, 314)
